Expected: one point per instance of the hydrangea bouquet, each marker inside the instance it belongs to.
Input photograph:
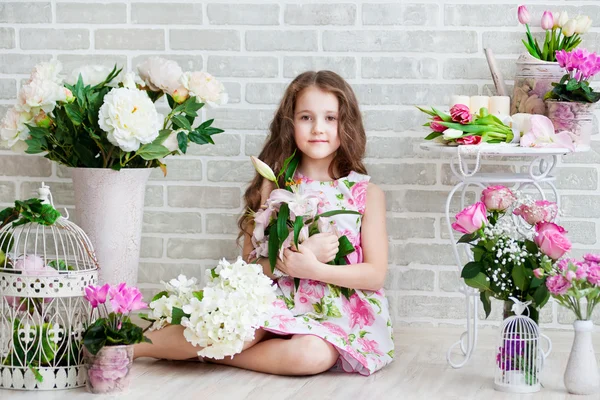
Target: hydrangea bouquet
(101, 118)
(513, 240)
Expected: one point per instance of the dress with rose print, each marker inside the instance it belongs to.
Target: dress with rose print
(356, 322)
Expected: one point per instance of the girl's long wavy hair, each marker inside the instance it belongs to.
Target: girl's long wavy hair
(280, 143)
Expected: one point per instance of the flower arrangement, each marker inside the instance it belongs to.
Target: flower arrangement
(460, 126)
(222, 316)
(95, 119)
(507, 258)
(581, 65)
(570, 281)
(562, 33)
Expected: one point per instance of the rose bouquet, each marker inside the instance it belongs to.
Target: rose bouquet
(460, 126)
(562, 33)
(581, 66)
(222, 316)
(509, 252)
(100, 119)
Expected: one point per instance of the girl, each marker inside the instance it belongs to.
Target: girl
(321, 324)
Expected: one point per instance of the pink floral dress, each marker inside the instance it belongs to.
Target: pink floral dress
(356, 322)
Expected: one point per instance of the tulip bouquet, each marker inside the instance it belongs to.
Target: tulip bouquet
(460, 126)
(508, 258)
(562, 33)
(97, 118)
(570, 281)
(581, 66)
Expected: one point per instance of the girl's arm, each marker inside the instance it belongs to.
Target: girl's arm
(368, 275)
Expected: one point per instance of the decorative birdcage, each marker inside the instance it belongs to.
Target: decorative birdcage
(45, 263)
(520, 358)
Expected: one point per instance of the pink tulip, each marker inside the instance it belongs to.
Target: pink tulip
(461, 114)
(124, 299)
(469, 140)
(538, 273)
(471, 219)
(558, 285)
(435, 126)
(551, 239)
(523, 15)
(547, 20)
(96, 294)
(497, 198)
(540, 211)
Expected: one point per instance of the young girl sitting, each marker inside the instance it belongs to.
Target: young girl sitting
(320, 324)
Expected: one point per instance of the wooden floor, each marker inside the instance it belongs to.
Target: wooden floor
(420, 371)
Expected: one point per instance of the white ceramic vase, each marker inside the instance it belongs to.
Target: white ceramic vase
(110, 209)
(533, 79)
(581, 375)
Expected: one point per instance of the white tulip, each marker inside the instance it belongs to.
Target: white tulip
(569, 27)
(450, 134)
(563, 18)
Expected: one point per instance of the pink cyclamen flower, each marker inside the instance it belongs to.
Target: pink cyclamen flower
(461, 114)
(540, 211)
(435, 126)
(547, 20)
(523, 15)
(96, 294)
(471, 219)
(551, 239)
(469, 140)
(538, 273)
(124, 299)
(497, 198)
(558, 285)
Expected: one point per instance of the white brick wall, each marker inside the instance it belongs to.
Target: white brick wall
(395, 54)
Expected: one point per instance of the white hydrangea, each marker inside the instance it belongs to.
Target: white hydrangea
(13, 131)
(91, 75)
(129, 118)
(161, 74)
(205, 87)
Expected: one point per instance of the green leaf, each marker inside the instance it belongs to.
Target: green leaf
(470, 270)
(298, 225)
(468, 237)
(520, 277)
(478, 282)
(85, 155)
(176, 315)
(200, 138)
(181, 122)
(572, 84)
(273, 246)
(487, 304)
(344, 247)
(433, 135)
(199, 295)
(286, 164)
(170, 101)
(282, 218)
(541, 296)
(163, 134)
(153, 151)
(74, 113)
(34, 146)
(296, 283)
(478, 253)
(291, 169)
(335, 212)
(206, 124)
(157, 296)
(182, 141)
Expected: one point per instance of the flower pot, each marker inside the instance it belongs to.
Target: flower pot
(110, 209)
(109, 371)
(573, 117)
(533, 79)
(581, 375)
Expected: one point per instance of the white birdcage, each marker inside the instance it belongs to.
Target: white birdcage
(43, 271)
(519, 356)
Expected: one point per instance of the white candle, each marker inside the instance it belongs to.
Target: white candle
(500, 106)
(456, 99)
(477, 102)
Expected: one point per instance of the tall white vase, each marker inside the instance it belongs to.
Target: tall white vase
(581, 375)
(110, 209)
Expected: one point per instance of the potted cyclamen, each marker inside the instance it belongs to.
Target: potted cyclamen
(108, 342)
(108, 130)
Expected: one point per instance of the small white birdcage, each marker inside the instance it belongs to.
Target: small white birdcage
(44, 268)
(519, 356)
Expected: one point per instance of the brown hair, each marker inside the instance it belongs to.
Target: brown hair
(280, 142)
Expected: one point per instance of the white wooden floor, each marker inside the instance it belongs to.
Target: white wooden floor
(420, 371)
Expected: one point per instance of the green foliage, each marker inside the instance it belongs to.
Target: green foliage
(108, 332)
(569, 89)
(32, 210)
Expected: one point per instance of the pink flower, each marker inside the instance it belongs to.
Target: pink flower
(124, 299)
(558, 284)
(497, 198)
(369, 346)
(523, 15)
(311, 288)
(359, 195)
(108, 370)
(284, 321)
(96, 294)
(469, 140)
(538, 273)
(279, 303)
(435, 126)
(570, 275)
(461, 114)
(593, 274)
(547, 20)
(471, 219)
(551, 239)
(302, 304)
(359, 310)
(34, 266)
(542, 134)
(582, 271)
(335, 329)
(594, 258)
(540, 211)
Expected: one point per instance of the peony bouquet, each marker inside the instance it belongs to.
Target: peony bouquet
(221, 317)
(509, 252)
(562, 33)
(581, 66)
(570, 281)
(100, 118)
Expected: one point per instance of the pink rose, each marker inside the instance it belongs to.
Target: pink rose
(469, 140)
(538, 273)
(471, 219)
(497, 198)
(558, 284)
(461, 114)
(359, 311)
(551, 239)
(540, 211)
(359, 195)
(435, 126)
(593, 274)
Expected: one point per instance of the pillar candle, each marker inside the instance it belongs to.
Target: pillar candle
(499, 105)
(477, 102)
(456, 99)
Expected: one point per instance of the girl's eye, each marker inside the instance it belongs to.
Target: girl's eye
(304, 117)
(331, 118)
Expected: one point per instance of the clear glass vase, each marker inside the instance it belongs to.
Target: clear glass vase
(109, 371)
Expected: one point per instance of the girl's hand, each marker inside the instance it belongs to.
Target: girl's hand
(301, 264)
(323, 245)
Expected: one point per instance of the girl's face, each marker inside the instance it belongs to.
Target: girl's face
(316, 123)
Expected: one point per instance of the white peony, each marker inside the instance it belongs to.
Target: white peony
(13, 131)
(205, 87)
(40, 94)
(132, 80)
(129, 118)
(161, 74)
(48, 71)
(91, 75)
